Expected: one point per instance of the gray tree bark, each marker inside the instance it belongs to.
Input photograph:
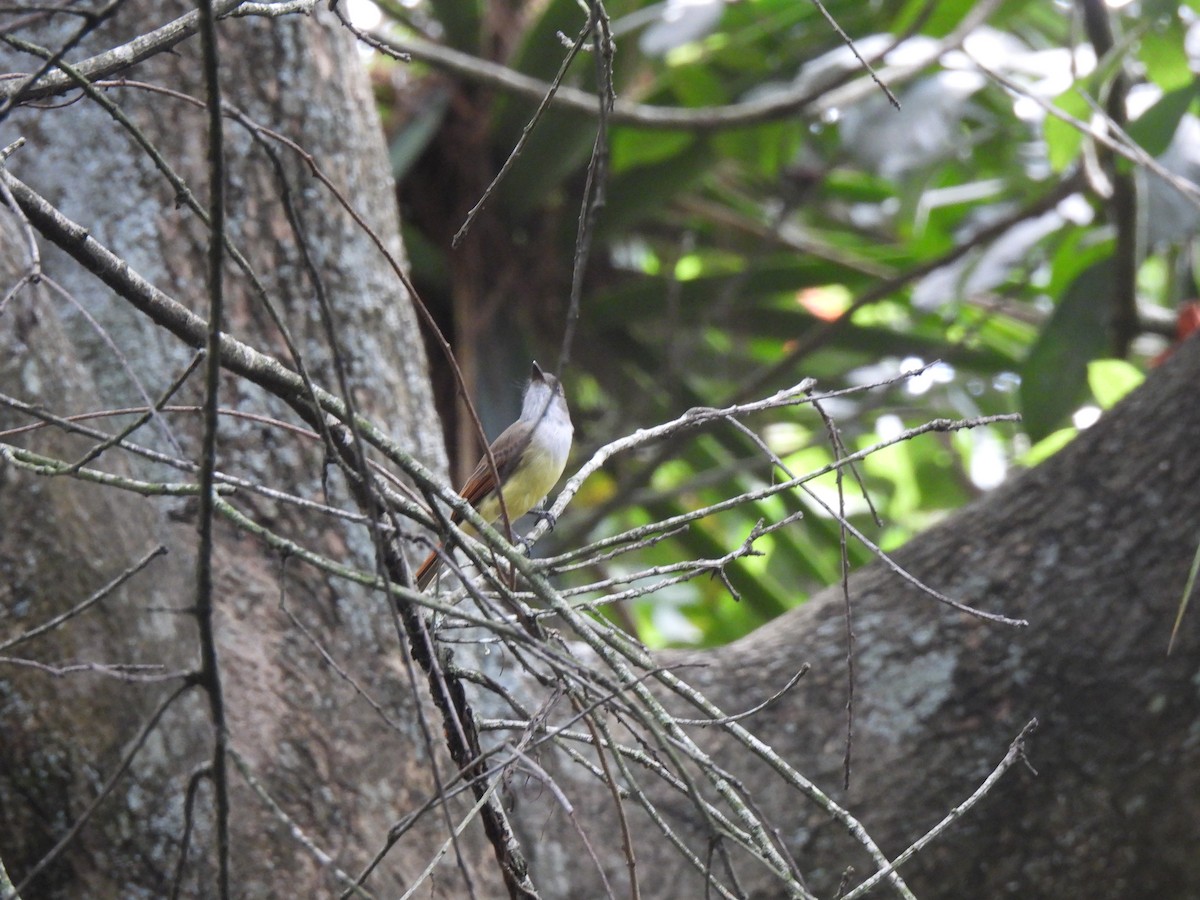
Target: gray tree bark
(1093, 548)
(343, 772)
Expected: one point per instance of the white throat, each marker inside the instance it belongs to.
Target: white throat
(545, 408)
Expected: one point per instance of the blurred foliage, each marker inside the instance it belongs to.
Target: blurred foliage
(843, 240)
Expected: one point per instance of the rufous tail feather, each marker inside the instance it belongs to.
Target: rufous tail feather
(428, 569)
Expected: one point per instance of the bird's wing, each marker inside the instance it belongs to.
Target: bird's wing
(507, 451)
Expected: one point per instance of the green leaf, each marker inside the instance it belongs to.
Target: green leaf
(461, 21)
(1112, 379)
(1078, 252)
(1163, 54)
(1054, 375)
(638, 193)
(1063, 139)
(1155, 127)
(938, 19)
(539, 51)
(632, 147)
(411, 140)
(558, 147)
(767, 148)
(1048, 446)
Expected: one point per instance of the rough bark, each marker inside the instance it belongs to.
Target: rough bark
(343, 772)
(1093, 548)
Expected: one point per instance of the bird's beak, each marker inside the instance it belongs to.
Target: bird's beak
(537, 374)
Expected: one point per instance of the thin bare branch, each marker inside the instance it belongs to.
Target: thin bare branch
(105, 789)
(1016, 751)
(84, 605)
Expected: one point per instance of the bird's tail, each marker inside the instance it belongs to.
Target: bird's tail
(428, 569)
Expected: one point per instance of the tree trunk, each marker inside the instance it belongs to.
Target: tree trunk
(341, 771)
(1093, 548)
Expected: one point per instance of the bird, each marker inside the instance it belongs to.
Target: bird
(530, 456)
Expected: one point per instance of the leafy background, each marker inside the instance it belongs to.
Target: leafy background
(843, 240)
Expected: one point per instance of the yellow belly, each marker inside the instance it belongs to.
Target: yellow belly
(526, 486)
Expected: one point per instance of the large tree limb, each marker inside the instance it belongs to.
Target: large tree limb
(1093, 547)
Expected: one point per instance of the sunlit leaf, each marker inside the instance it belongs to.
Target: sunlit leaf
(1111, 379)
(1163, 54)
(1064, 139)
(1048, 446)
